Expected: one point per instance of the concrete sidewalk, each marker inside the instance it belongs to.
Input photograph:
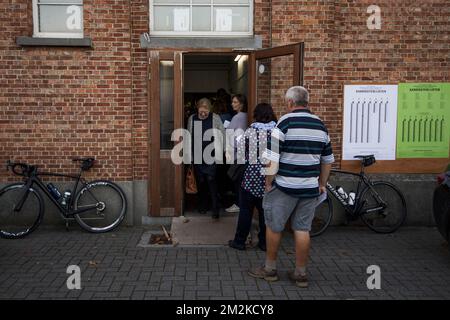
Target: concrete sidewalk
(414, 262)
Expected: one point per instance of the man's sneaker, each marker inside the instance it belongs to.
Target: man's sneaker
(301, 281)
(262, 273)
(234, 208)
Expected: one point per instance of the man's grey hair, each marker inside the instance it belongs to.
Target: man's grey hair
(299, 95)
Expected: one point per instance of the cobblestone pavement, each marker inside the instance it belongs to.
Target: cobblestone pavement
(414, 262)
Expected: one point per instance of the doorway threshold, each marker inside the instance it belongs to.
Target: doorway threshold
(196, 230)
(202, 230)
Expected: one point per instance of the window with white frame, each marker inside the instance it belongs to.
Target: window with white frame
(58, 18)
(201, 17)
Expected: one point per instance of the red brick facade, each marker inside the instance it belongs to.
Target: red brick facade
(59, 102)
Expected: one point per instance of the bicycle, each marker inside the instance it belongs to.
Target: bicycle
(98, 206)
(380, 204)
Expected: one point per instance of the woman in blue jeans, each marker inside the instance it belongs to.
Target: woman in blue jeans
(253, 183)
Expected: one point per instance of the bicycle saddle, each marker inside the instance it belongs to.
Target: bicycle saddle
(367, 160)
(87, 163)
(83, 159)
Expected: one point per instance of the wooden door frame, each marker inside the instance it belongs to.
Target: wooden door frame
(296, 49)
(176, 55)
(154, 189)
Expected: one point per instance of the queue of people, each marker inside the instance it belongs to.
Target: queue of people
(284, 184)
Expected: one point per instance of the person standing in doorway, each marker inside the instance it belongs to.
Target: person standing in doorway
(300, 155)
(237, 126)
(205, 173)
(225, 98)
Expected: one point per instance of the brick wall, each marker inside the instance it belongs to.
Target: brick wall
(413, 45)
(139, 24)
(56, 103)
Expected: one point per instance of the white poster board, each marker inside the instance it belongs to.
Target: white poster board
(370, 121)
(181, 19)
(224, 19)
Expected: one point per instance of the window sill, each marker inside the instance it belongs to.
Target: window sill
(54, 42)
(247, 42)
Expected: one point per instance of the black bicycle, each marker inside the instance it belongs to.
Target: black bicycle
(98, 206)
(380, 204)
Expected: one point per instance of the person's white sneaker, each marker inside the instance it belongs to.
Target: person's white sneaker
(234, 208)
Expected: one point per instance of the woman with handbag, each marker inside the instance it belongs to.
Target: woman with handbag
(205, 173)
(252, 187)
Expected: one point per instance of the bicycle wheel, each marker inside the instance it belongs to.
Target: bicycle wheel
(387, 217)
(110, 206)
(322, 217)
(17, 224)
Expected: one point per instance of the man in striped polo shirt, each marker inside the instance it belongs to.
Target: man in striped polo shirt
(300, 157)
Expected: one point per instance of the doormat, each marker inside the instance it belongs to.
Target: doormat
(203, 230)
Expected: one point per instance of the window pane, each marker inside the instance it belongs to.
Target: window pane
(201, 1)
(171, 18)
(166, 103)
(68, 19)
(62, 1)
(228, 19)
(232, 2)
(201, 18)
(171, 1)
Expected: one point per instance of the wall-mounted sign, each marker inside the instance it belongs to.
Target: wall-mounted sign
(423, 127)
(370, 119)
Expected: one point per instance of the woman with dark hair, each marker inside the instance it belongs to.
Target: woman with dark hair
(220, 108)
(238, 124)
(222, 94)
(253, 182)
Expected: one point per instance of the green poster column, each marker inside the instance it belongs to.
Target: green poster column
(423, 120)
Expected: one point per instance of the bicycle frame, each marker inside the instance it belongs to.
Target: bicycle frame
(33, 178)
(363, 182)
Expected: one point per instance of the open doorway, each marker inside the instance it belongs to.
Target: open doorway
(216, 77)
(179, 78)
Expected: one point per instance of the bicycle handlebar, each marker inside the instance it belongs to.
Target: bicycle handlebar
(25, 168)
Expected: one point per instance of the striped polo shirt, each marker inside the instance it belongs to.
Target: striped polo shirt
(300, 144)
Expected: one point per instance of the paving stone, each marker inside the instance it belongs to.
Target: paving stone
(413, 263)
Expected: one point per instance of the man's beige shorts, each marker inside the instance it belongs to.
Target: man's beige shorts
(279, 207)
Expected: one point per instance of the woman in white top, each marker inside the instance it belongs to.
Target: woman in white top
(239, 124)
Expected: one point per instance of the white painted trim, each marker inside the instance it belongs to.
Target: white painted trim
(38, 34)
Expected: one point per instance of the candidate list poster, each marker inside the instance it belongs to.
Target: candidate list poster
(423, 120)
(370, 121)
